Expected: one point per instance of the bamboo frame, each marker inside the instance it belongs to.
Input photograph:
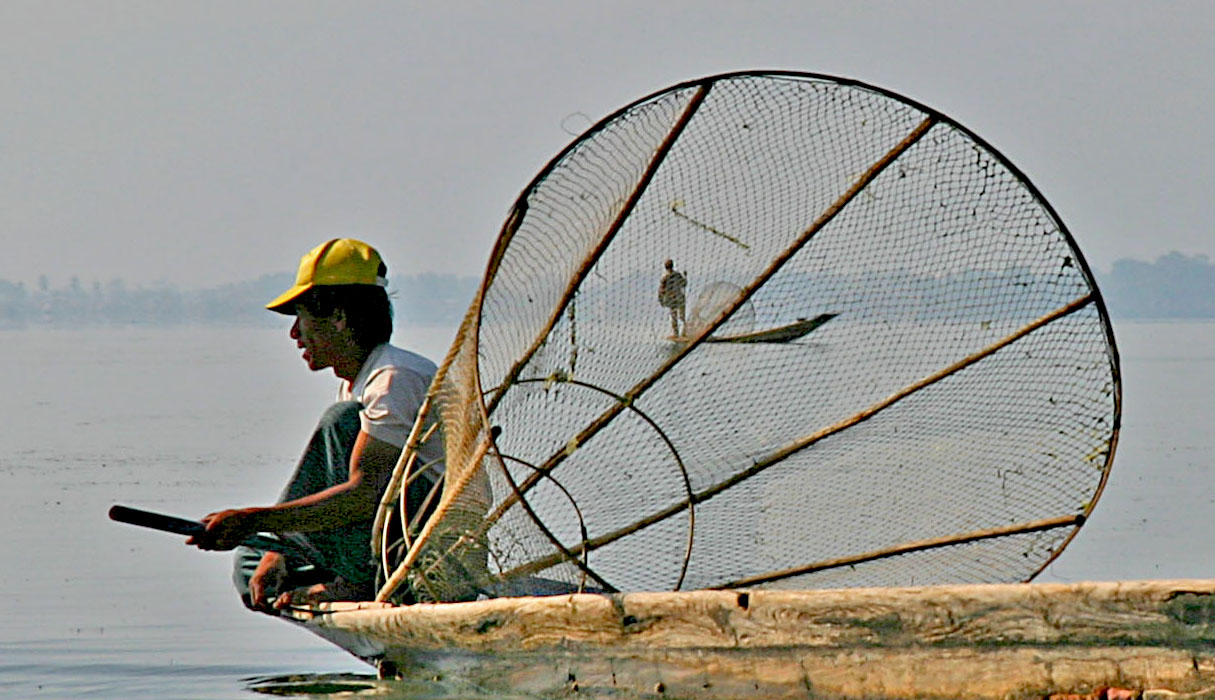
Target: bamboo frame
(398, 576)
(409, 454)
(413, 474)
(404, 463)
(805, 442)
(520, 210)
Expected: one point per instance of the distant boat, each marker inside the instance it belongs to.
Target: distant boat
(780, 334)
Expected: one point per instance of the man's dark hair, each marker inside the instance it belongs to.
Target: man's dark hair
(367, 308)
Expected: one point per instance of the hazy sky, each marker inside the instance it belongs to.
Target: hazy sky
(209, 142)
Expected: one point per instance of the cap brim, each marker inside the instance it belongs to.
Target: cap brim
(285, 302)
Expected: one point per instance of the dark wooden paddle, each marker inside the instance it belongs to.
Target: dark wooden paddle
(182, 526)
(156, 521)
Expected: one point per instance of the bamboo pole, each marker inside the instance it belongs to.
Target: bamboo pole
(908, 548)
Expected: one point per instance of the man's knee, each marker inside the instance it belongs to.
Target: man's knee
(244, 564)
(343, 415)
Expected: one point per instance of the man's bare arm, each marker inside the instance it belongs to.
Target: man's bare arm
(371, 464)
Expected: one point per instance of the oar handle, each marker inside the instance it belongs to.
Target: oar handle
(156, 521)
(181, 526)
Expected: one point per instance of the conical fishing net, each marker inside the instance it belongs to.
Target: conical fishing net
(954, 421)
(710, 304)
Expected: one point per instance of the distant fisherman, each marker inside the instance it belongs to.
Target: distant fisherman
(671, 296)
(343, 320)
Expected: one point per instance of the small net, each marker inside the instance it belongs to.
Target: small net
(954, 421)
(712, 303)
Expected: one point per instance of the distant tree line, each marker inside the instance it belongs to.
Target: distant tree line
(424, 299)
(1173, 286)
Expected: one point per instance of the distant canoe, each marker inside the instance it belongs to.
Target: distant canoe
(970, 642)
(780, 334)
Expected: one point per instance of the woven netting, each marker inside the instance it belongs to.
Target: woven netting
(954, 421)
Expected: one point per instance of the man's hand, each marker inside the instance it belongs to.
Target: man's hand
(338, 589)
(226, 529)
(266, 581)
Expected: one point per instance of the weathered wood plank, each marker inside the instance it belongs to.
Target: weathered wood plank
(978, 641)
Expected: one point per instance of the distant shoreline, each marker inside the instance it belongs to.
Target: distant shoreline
(1175, 287)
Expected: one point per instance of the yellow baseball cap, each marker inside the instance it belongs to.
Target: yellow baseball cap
(336, 262)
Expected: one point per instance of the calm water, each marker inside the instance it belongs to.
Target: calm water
(189, 420)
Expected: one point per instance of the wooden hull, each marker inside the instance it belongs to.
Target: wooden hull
(960, 642)
(781, 334)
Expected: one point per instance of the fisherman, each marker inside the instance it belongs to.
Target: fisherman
(343, 321)
(671, 296)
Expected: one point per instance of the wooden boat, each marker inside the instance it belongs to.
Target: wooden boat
(780, 334)
(957, 641)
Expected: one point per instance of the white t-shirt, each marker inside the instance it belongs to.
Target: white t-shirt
(391, 386)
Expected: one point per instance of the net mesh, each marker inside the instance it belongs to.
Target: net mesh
(953, 422)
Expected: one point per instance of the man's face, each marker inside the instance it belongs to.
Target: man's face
(318, 337)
